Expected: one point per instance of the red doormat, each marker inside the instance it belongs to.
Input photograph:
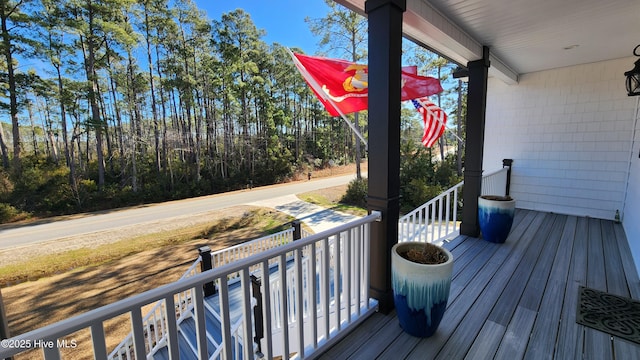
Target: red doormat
(615, 315)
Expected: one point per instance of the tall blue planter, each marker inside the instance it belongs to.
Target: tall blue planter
(420, 291)
(495, 217)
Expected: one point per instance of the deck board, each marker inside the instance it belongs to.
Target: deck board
(507, 257)
(616, 283)
(358, 338)
(514, 343)
(545, 331)
(378, 343)
(539, 277)
(597, 345)
(570, 334)
(487, 341)
(633, 280)
(459, 308)
(400, 347)
(517, 300)
(506, 305)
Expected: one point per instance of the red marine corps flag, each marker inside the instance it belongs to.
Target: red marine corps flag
(342, 86)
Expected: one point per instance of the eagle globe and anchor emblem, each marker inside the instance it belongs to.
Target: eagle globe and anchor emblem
(357, 82)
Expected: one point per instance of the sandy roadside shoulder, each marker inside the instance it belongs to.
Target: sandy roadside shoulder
(92, 240)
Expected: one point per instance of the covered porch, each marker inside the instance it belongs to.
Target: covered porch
(517, 300)
(568, 124)
(546, 88)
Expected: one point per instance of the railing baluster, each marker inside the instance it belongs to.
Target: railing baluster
(366, 262)
(157, 329)
(284, 313)
(266, 302)
(172, 328)
(225, 318)
(441, 211)
(447, 216)
(326, 296)
(297, 261)
(432, 207)
(275, 305)
(347, 276)
(417, 224)
(337, 274)
(163, 320)
(455, 208)
(358, 269)
(313, 298)
(148, 338)
(247, 344)
(422, 220)
(201, 327)
(291, 295)
(51, 353)
(427, 223)
(99, 344)
(138, 334)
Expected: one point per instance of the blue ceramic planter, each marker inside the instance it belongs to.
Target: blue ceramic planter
(495, 218)
(420, 291)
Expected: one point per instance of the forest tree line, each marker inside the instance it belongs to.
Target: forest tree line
(114, 102)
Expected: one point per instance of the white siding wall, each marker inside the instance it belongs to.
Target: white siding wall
(631, 219)
(568, 131)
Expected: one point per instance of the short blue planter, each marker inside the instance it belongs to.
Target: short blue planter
(420, 291)
(495, 216)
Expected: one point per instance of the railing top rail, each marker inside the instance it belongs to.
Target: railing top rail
(495, 172)
(71, 325)
(444, 193)
(191, 268)
(431, 201)
(298, 244)
(231, 248)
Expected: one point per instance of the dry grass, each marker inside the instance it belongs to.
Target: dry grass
(429, 254)
(330, 198)
(95, 272)
(46, 265)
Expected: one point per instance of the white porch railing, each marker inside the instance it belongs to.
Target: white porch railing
(155, 323)
(437, 219)
(495, 182)
(250, 248)
(337, 281)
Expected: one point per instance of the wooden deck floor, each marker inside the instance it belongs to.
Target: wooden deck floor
(517, 300)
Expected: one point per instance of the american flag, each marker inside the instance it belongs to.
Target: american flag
(434, 119)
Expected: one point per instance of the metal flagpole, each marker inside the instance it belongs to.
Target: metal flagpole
(450, 130)
(314, 84)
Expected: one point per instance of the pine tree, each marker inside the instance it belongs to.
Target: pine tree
(96, 21)
(343, 33)
(14, 23)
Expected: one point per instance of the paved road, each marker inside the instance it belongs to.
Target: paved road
(14, 236)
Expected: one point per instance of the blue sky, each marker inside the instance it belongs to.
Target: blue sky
(283, 20)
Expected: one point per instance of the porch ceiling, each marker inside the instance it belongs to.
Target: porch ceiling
(523, 35)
